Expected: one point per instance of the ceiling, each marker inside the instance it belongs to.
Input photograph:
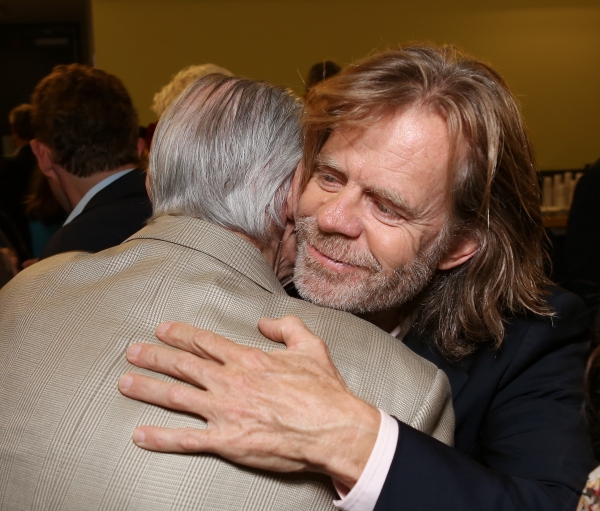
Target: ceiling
(43, 11)
(61, 11)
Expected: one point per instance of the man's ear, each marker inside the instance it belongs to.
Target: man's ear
(294, 191)
(141, 146)
(44, 157)
(148, 191)
(461, 253)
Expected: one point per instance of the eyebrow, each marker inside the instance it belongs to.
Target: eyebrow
(393, 197)
(326, 160)
(397, 200)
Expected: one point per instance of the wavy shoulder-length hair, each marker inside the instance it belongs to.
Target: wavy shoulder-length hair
(495, 198)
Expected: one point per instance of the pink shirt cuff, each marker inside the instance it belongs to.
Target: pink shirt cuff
(365, 493)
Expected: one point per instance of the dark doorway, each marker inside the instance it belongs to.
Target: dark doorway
(27, 54)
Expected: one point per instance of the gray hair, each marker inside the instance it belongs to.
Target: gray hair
(180, 81)
(226, 152)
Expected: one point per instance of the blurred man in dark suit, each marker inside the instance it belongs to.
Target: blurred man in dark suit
(86, 144)
(582, 242)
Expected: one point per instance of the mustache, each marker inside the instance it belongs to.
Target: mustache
(335, 246)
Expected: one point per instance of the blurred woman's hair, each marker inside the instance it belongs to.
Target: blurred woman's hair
(40, 204)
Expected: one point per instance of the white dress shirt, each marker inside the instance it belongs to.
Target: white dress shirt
(365, 493)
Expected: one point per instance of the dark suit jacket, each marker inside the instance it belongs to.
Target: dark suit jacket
(520, 440)
(582, 242)
(111, 216)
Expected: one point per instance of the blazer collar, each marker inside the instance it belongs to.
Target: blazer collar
(216, 242)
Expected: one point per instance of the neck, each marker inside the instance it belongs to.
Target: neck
(402, 316)
(76, 187)
(386, 320)
(280, 253)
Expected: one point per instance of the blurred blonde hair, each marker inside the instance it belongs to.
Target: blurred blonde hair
(179, 82)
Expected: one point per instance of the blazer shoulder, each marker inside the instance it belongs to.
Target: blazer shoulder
(563, 301)
(567, 325)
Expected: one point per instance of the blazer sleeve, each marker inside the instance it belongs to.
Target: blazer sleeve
(436, 415)
(533, 449)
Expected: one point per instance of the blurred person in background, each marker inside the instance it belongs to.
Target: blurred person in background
(175, 87)
(87, 147)
(15, 176)
(590, 499)
(582, 243)
(321, 71)
(44, 212)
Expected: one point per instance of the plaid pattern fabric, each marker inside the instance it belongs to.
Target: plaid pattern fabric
(65, 323)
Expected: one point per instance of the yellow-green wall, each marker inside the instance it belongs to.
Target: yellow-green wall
(548, 50)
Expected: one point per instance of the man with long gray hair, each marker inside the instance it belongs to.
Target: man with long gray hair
(221, 172)
(421, 210)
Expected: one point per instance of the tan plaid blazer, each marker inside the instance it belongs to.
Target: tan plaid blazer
(65, 430)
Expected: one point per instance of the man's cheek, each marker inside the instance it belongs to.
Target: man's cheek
(287, 254)
(310, 199)
(289, 249)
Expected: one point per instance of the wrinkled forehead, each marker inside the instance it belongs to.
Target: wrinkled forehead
(357, 130)
(414, 170)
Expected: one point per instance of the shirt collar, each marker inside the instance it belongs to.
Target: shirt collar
(396, 333)
(93, 191)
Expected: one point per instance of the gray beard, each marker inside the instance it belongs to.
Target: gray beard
(369, 288)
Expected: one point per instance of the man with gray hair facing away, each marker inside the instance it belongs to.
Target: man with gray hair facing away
(220, 178)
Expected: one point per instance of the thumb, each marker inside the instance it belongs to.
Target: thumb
(289, 330)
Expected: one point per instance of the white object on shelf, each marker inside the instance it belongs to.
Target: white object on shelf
(569, 188)
(559, 191)
(547, 193)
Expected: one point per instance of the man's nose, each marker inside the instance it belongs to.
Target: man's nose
(341, 215)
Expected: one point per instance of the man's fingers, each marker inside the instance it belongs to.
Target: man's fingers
(299, 340)
(183, 440)
(203, 343)
(175, 396)
(191, 440)
(176, 363)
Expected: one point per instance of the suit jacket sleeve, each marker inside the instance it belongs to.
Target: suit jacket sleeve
(533, 451)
